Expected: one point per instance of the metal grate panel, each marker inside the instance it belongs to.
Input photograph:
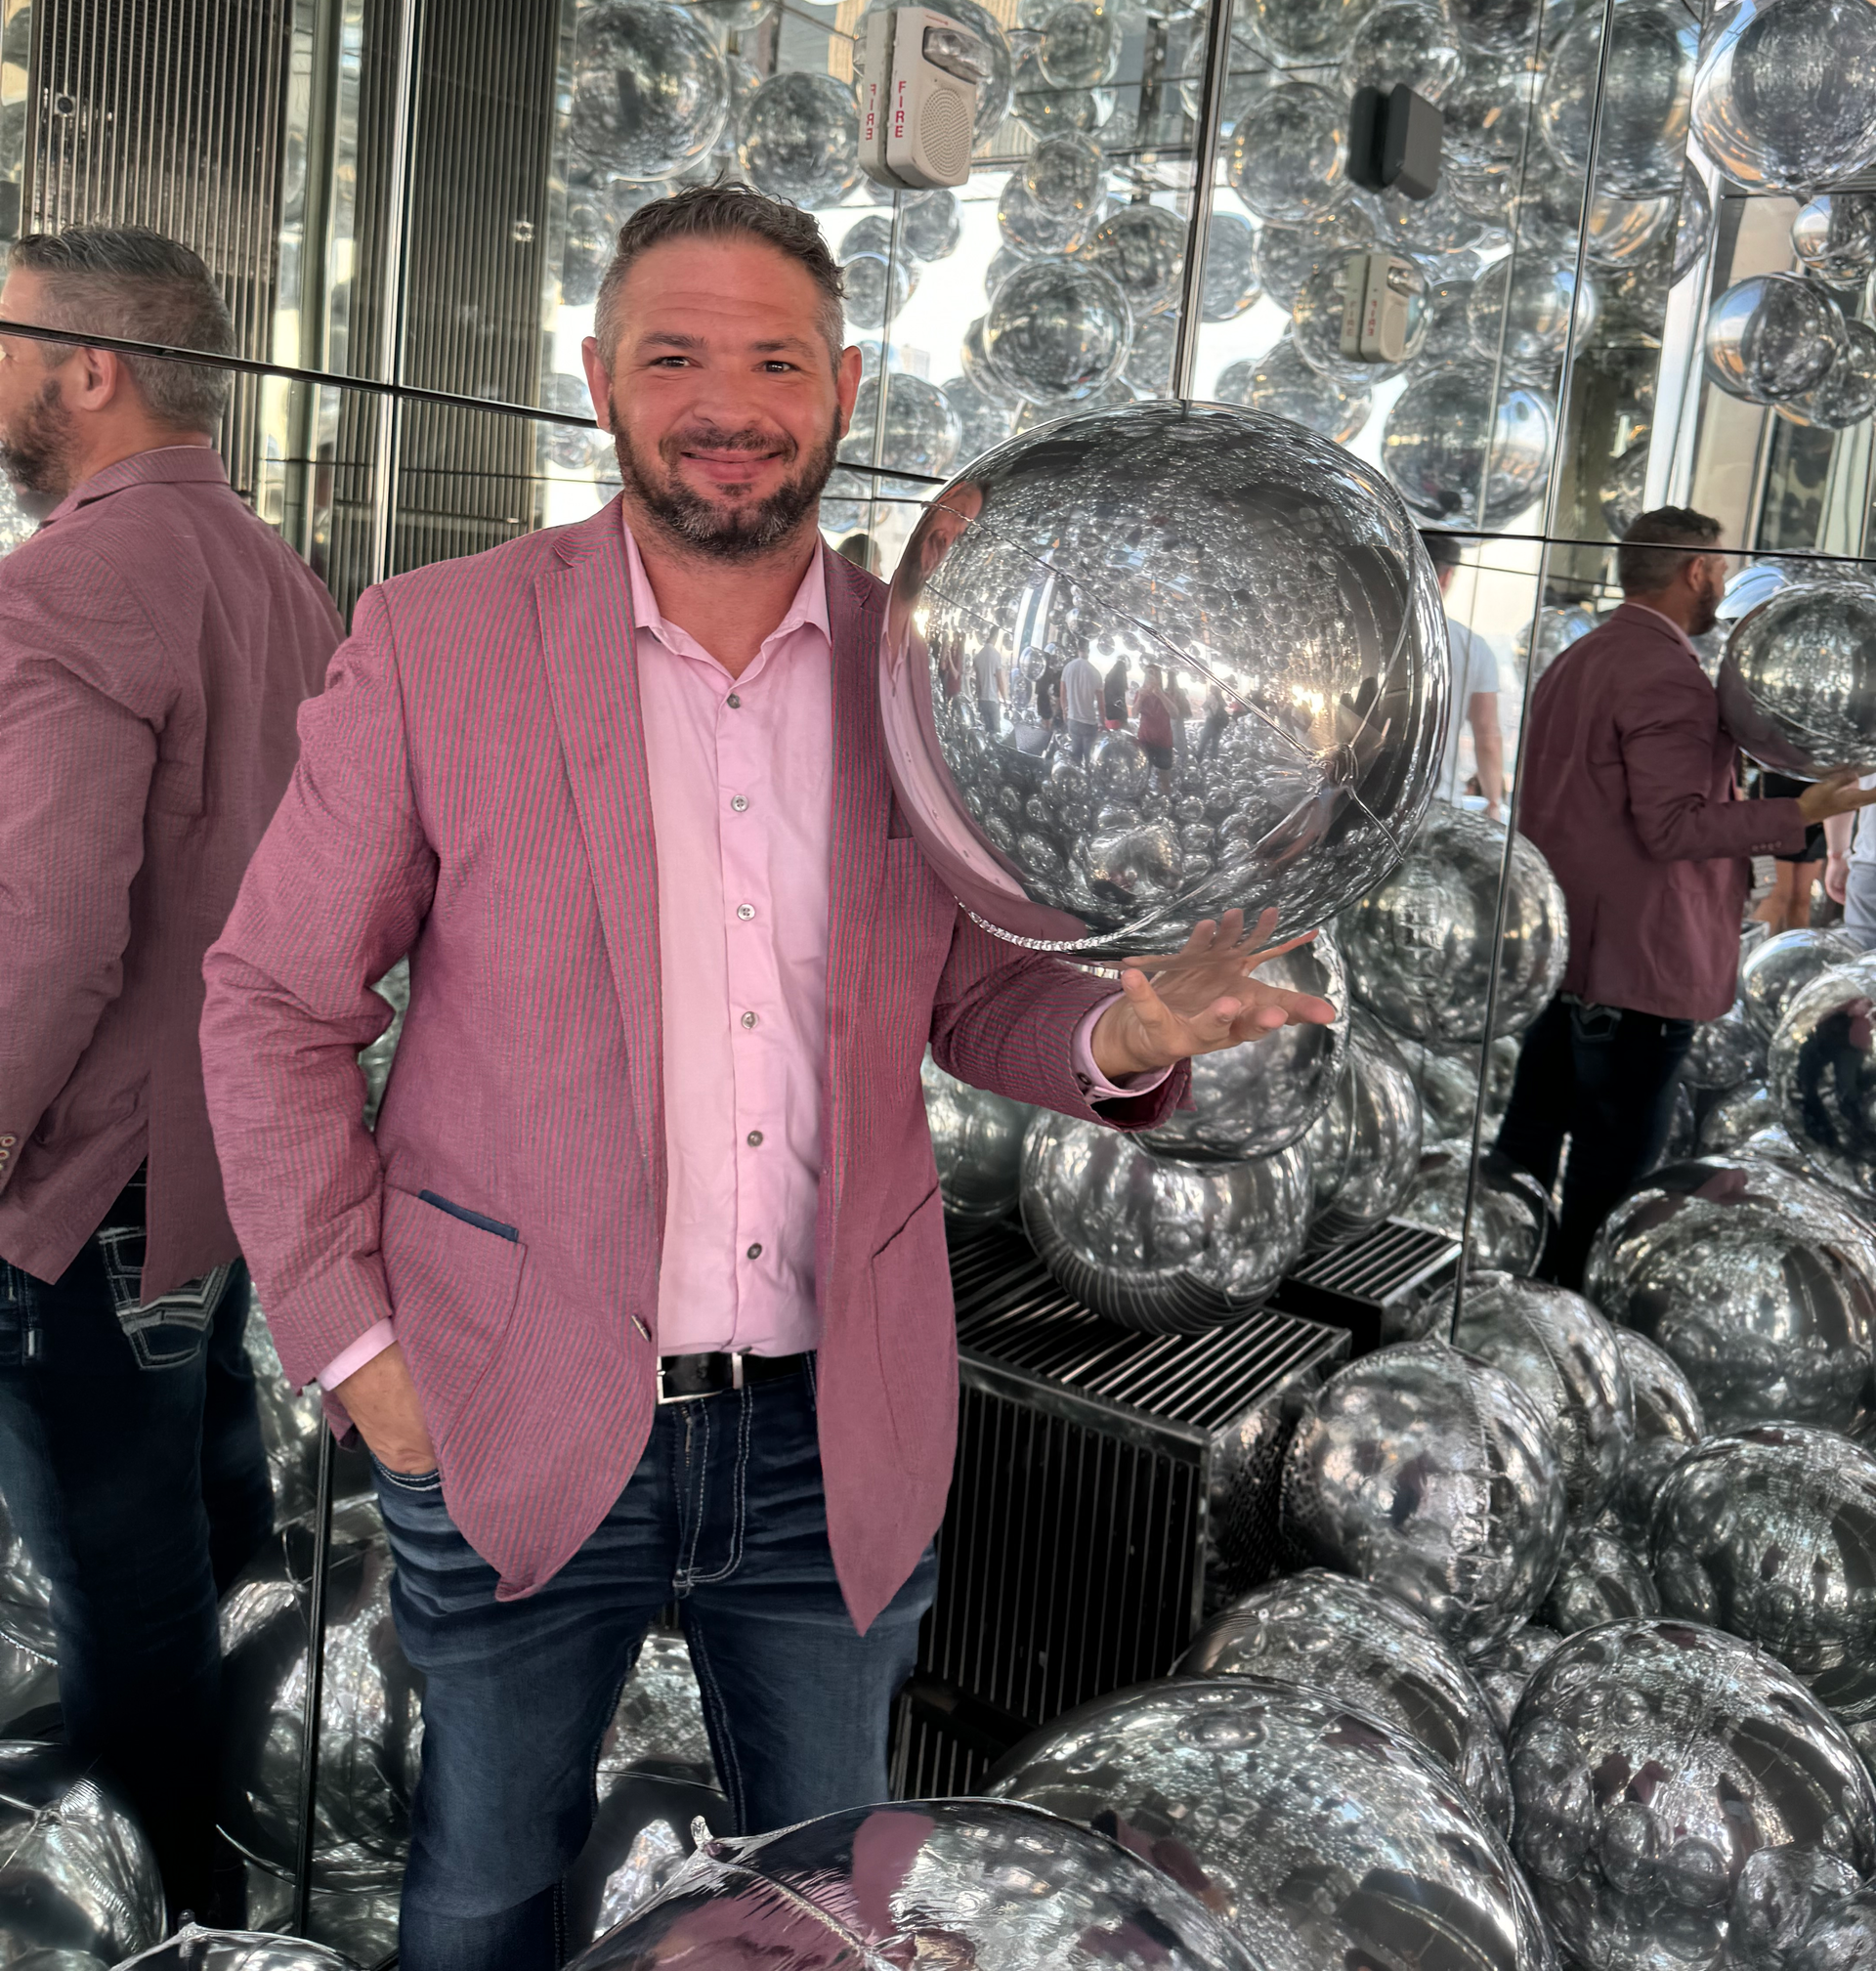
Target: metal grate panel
(1354, 1287)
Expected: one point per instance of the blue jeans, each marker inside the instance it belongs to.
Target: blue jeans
(725, 1515)
(132, 1467)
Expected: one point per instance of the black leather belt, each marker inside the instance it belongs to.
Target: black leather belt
(682, 1379)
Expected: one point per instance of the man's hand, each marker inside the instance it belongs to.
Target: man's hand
(1836, 794)
(1836, 877)
(1200, 999)
(382, 1400)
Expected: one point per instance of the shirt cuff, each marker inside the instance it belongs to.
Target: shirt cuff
(1095, 1086)
(373, 1342)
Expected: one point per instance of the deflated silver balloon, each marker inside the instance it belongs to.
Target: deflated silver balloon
(1364, 1145)
(1735, 1115)
(1602, 1579)
(1798, 683)
(1303, 1821)
(1668, 1423)
(1270, 569)
(1420, 947)
(360, 1924)
(658, 1726)
(1560, 1351)
(1724, 1052)
(1822, 1076)
(1158, 1243)
(1505, 1668)
(1773, 972)
(641, 1837)
(1677, 1792)
(1353, 1640)
(1255, 1099)
(1759, 1282)
(1510, 1215)
(1435, 1477)
(196, 1948)
(78, 1881)
(977, 1139)
(1770, 1534)
(986, 1884)
(375, 1059)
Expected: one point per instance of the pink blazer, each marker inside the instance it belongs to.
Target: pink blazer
(472, 789)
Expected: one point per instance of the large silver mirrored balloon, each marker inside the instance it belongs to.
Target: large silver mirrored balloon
(1557, 1348)
(1288, 159)
(1449, 438)
(1504, 1670)
(1784, 99)
(1149, 362)
(1760, 1283)
(1255, 1099)
(196, 1948)
(1158, 1243)
(1419, 948)
(798, 139)
(1048, 111)
(1355, 1642)
(1775, 970)
(1296, 1813)
(1770, 1533)
(1724, 1052)
(1035, 227)
(1848, 394)
(651, 93)
(1772, 336)
(1364, 1147)
(1602, 1579)
(1675, 1787)
(1841, 1935)
(1821, 1073)
(1057, 331)
(981, 421)
(1316, 315)
(874, 285)
(1620, 230)
(989, 1885)
(1640, 125)
(1269, 568)
(1403, 41)
(1668, 1423)
(1283, 385)
(1231, 281)
(930, 225)
(1079, 46)
(977, 1139)
(1435, 1477)
(1446, 1080)
(1835, 237)
(79, 1887)
(1141, 249)
(1798, 683)
(1510, 1215)
(1308, 31)
(1735, 1115)
(922, 431)
(1528, 308)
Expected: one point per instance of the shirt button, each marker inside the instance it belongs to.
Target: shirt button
(756, 1139)
(732, 701)
(755, 1251)
(748, 1020)
(739, 801)
(745, 911)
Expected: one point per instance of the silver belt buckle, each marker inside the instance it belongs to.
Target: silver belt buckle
(735, 1379)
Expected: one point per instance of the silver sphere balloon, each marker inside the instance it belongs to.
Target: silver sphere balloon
(1142, 250)
(981, 421)
(1798, 683)
(1161, 1244)
(1835, 237)
(1308, 31)
(1048, 111)
(1661, 1770)
(1759, 1282)
(1037, 230)
(1770, 337)
(1848, 394)
(1556, 628)
(988, 1884)
(1434, 1476)
(1784, 99)
(1448, 437)
(1353, 1640)
(1287, 255)
(1735, 1115)
(1497, 26)
(798, 139)
(1229, 546)
(79, 1886)
(196, 1948)
(1310, 1823)
(977, 1139)
(1282, 384)
(978, 372)
(1529, 308)
(1364, 1145)
(875, 287)
(1510, 1215)
(922, 431)
(1057, 331)
(1668, 1423)
(375, 1059)
(1315, 321)
(1602, 1579)
(1620, 230)
(1288, 163)
(1640, 122)
(1149, 362)
(1067, 174)
(1419, 948)
(1446, 1080)
(1231, 281)
(1505, 1669)
(1724, 1052)
(1841, 1935)
(1693, 224)
(1079, 46)
(1557, 1348)
(1403, 41)
(1770, 1533)
(1776, 970)
(651, 93)
(1821, 1073)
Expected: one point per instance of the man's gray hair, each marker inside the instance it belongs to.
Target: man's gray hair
(130, 281)
(1656, 546)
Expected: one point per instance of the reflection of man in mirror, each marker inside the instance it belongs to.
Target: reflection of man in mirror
(1627, 786)
(156, 640)
(639, 1296)
(1475, 697)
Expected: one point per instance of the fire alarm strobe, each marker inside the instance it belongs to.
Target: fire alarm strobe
(919, 103)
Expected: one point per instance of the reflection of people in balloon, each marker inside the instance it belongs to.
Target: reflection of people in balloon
(1832, 1064)
(944, 522)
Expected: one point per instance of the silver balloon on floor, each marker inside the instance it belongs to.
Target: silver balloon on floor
(28, 1649)
(1364, 1147)
(1774, 972)
(1821, 1073)
(1752, 1795)
(1510, 1215)
(977, 1139)
(1435, 1477)
(1296, 1813)
(1841, 1935)
(1602, 1579)
(1737, 1116)
(1668, 1423)
(1726, 1051)
(1759, 1282)
(1505, 1669)
(1353, 1640)
(1445, 1077)
(982, 1883)
(196, 1948)
(1798, 683)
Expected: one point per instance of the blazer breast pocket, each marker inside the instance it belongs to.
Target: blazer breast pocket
(453, 1276)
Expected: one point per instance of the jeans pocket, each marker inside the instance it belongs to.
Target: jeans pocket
(18, 1318)
(171, 1331)
(419, 1482)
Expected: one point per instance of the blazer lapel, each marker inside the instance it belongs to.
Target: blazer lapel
(592, 670)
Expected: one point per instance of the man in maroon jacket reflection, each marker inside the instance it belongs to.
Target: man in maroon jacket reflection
(1627, 786)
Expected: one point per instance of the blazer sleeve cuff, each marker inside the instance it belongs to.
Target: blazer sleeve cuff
(369, 1344)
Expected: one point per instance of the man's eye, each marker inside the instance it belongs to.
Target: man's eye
(776, 364)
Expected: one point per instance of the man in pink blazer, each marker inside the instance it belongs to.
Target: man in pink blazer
(156, 642)
(1627, 786)
(640, 1295)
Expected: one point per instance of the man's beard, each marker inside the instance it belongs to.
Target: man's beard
(35, 451)
(1707, 614)
(726, 532)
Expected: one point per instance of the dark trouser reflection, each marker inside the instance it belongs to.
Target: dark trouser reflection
(132, 1467)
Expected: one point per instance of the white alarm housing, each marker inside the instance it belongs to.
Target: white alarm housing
(1377, 290)
(919, 102)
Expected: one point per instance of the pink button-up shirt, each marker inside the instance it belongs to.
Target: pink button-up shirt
(742, 787)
